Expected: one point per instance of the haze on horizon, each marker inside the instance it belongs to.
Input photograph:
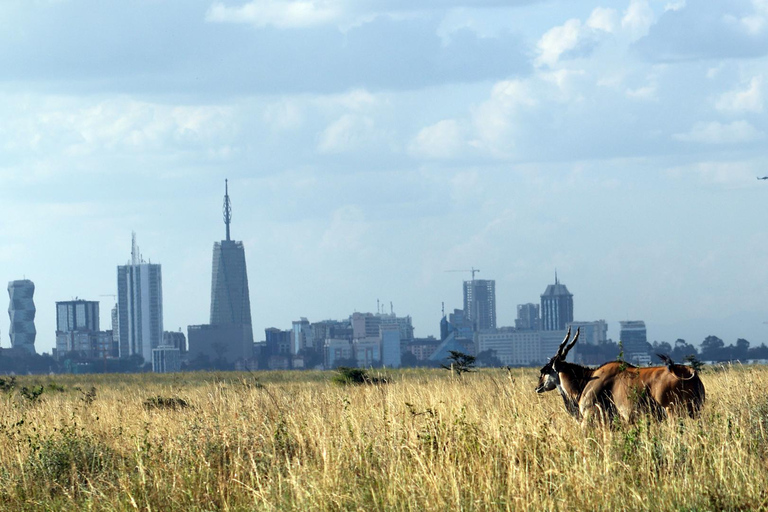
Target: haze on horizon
(372, 145)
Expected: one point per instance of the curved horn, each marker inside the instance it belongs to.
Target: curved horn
(562, 345)
(572, 343)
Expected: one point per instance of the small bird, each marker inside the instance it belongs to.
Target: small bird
(763, 178)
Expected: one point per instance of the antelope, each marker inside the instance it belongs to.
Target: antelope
(620, 388)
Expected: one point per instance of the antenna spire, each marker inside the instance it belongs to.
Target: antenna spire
(227, 207)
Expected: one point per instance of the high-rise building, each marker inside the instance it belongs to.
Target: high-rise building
(634, 341)
(77, 329)
(77, 315)
(556, 307)
(592, 333)
(480, 303)
(229, 336)
(230, 299)
(139, 306)
(21, 311)
(528, 318)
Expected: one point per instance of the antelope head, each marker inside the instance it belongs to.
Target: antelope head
(549, 378)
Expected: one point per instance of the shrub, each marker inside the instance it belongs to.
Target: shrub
(160, 402)
(70, 458)
(345, 375)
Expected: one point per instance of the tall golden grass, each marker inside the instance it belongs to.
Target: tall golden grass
(426, 440)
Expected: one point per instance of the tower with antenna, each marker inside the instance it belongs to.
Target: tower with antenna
(139, 306)
(230, 332)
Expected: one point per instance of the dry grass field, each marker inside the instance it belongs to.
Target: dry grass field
(424, 441)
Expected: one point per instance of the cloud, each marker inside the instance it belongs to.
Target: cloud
(732, 174)
(348, 133)
(438, 141)
(576, 39)
(637, 18)
(603, 19)
(495, 120)
(572, 39)
(281, 14)
(703, 29)
(743, 100)
(185, 47)
(717, 133)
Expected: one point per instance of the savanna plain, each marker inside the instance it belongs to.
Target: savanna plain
(421, 440)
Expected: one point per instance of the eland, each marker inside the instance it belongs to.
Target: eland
(619, 388)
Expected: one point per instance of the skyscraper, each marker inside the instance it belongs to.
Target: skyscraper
(21, 311)
(230, 299)
(139, 306)
(77, 328)
(556, 307)
(229, 336)
(634, 340)
(480, 303)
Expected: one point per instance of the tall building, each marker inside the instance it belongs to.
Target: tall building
(528, 318)
(139, 306)
(230, 299)
(634, 341)
(556, 307)
(592, 333)
(229, 336)
(480, 303)
(77, 329)
(21, 311)
(77, 315)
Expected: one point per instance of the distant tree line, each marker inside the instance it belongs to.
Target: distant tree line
(712, 349)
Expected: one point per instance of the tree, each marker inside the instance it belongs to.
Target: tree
(488, 359)
(460, 362)
(712, 348)
(742, 349)
(682, 350)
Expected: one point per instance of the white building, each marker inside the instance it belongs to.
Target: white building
(140, 306)
(592, 333)
(512, 347)
(337, 349)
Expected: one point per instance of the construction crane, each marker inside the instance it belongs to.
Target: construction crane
(473, 270)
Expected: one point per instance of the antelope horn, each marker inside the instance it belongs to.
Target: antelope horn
(562, 345)
(572, 343)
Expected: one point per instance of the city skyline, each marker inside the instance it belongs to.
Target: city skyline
(376, 145)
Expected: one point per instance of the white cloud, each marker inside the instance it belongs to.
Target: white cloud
(718, 133)
(675, 6)
(284, 115)
(440, 140)
(730, 174)
(349, 132)
(603, 19)
(755, 23)
(743, 100)
(638, 18)
(647, 92)
(118, 126)
(495, 120)
(558, 40)
(575, 37)
(281, 14)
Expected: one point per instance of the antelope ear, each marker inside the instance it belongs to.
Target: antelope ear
(562, 345)
(572, 343)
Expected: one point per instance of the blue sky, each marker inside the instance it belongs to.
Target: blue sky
(371, 145)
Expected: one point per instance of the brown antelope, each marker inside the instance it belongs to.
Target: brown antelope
(620, 388)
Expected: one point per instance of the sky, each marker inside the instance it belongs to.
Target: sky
(373, 145)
